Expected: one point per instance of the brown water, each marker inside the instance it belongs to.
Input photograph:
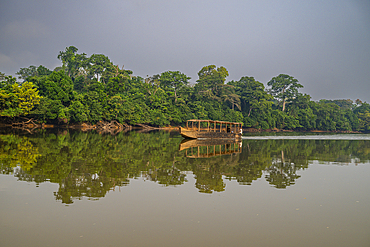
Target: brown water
(137, 189)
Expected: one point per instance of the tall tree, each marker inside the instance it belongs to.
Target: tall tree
(98, 64)
(251, 92)
(211, 80)
(72, 61)
(284, 88)
(174, 80)
(24, 73)
(41, 70)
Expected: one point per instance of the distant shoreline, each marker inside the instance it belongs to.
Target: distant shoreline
(87, 127)
(254, 130)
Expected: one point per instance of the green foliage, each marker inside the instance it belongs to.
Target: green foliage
(252, 94)
(78, 112)
(173, 81)
(117, 85)
(51, 111)
(27, 96)
(98, 64)
(92, 89)
(344, 104)
(73, 62)
(331, 118)
(2, 76)
(16, 100)
(284, 88)
(302, 108)
(363, 114)
(24, 73)
(210, 82)
(56, 86)
(95, 105)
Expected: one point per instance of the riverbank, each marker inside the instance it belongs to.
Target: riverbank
(112, 127)
(115, 127)
(254, 130)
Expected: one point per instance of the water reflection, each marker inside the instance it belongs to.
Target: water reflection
(89, 164)
(206, 148)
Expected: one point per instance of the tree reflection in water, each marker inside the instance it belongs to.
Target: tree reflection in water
(90, 164)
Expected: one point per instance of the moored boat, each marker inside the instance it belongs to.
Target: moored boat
(210, 129)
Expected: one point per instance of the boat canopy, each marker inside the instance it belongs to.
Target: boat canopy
(213, 129)
(214, 121)
(229, 126)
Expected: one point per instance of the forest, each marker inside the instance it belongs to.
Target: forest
(91, 89)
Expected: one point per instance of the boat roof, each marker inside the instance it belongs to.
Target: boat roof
(214, 121)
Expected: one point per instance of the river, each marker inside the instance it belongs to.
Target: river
(72, 188)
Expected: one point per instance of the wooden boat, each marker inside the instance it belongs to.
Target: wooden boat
(209, 129)
(206, 148)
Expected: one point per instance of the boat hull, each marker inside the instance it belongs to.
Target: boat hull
(189, 133)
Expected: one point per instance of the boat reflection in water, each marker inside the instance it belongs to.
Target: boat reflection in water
(205, 148)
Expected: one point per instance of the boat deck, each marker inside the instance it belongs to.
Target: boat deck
(211, 129)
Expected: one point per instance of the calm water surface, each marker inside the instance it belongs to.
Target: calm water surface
(139, 189)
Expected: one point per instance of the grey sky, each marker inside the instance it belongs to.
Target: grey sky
(323, 44)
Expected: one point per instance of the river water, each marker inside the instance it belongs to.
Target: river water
(71, 188)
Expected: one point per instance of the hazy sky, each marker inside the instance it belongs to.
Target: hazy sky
(325, 44)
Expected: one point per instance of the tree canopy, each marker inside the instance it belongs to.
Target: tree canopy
(88, 89)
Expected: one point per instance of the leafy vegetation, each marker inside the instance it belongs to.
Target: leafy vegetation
(90, 89)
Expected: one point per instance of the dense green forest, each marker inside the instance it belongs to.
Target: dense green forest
(90, 89)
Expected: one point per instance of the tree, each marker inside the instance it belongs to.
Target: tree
(252, 93)
(25, 73)
(17, 100)
(284, 88)
(329, 116)
(210, 80)
(41, 70)
(363, 114)
(78, 112)
(174, 80)
(56, 86)
(303, 108)
(27, 96)
(116, 85)
(8, 100)
(232, 98)
(72, 61)
(114, 71)
(98, 63)
(344, 104)
(152, 84)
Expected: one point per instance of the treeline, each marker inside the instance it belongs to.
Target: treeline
(90, 89)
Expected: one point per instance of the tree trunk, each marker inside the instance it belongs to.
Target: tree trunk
(249, 113)
(283, 99)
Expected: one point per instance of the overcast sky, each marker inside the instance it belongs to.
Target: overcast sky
(325, 44)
